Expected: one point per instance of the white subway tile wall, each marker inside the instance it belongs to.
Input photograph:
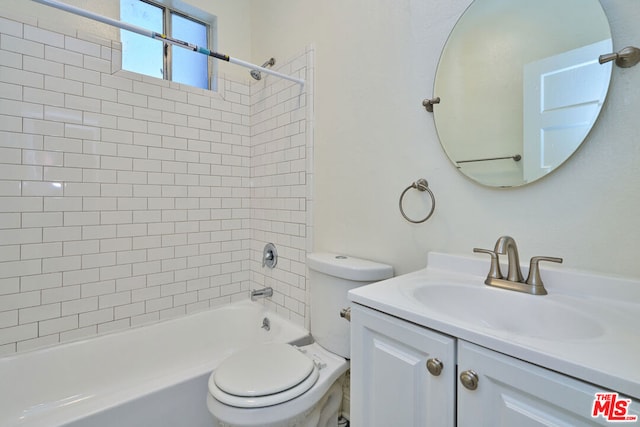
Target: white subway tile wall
(281, 185)
(126, 200)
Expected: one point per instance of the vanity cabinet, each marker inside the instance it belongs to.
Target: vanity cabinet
(392, 386)
(511, 392)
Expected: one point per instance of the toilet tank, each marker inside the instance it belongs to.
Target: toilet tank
(331, 276)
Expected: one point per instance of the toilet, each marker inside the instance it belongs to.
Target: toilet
(281, 385)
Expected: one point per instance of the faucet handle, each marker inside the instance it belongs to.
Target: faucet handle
(494, 270)
(534, 278)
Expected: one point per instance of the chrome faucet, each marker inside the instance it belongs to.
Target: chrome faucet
(514, 281)
(261, 293)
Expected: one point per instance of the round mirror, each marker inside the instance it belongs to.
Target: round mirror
(520, 86)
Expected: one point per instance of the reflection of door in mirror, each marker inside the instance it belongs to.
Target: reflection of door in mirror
(562, 96)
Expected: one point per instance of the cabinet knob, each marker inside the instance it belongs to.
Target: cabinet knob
(434, 366)
(469, 379)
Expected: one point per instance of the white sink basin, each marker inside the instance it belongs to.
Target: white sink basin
(509, 311)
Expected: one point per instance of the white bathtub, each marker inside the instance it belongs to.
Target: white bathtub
(148, 376)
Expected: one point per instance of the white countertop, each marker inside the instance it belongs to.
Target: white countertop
(609, 359)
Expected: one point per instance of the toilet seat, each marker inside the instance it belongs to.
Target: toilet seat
(330, 367)
(263, 375)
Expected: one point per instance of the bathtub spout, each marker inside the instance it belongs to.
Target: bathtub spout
(261, 293)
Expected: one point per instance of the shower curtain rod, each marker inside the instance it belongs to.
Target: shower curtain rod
(164, 38)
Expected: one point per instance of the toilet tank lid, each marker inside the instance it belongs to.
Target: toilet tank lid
(347, 267)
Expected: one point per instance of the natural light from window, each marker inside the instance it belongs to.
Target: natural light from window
(147, 56)
(189, 67)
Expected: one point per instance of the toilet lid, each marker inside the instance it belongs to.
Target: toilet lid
(263, 370)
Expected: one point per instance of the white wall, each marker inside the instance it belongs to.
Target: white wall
(375, 62)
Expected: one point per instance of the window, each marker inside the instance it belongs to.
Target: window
(153, 57)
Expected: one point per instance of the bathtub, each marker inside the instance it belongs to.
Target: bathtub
(148, 376)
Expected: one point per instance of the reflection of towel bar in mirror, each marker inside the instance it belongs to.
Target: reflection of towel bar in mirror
(515, 158)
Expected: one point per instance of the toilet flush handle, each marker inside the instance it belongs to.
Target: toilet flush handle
(345, 313)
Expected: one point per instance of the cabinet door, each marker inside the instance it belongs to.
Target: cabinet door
(390, 382)
(511, 392)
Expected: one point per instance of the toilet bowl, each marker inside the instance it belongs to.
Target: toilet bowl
(281, 385)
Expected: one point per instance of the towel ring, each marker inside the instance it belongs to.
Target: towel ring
(420, 185)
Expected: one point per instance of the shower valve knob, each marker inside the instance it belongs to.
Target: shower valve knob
(269, 256)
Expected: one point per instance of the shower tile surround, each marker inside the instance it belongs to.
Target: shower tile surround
(126, 200)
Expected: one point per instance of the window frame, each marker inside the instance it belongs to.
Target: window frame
(167, 57)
